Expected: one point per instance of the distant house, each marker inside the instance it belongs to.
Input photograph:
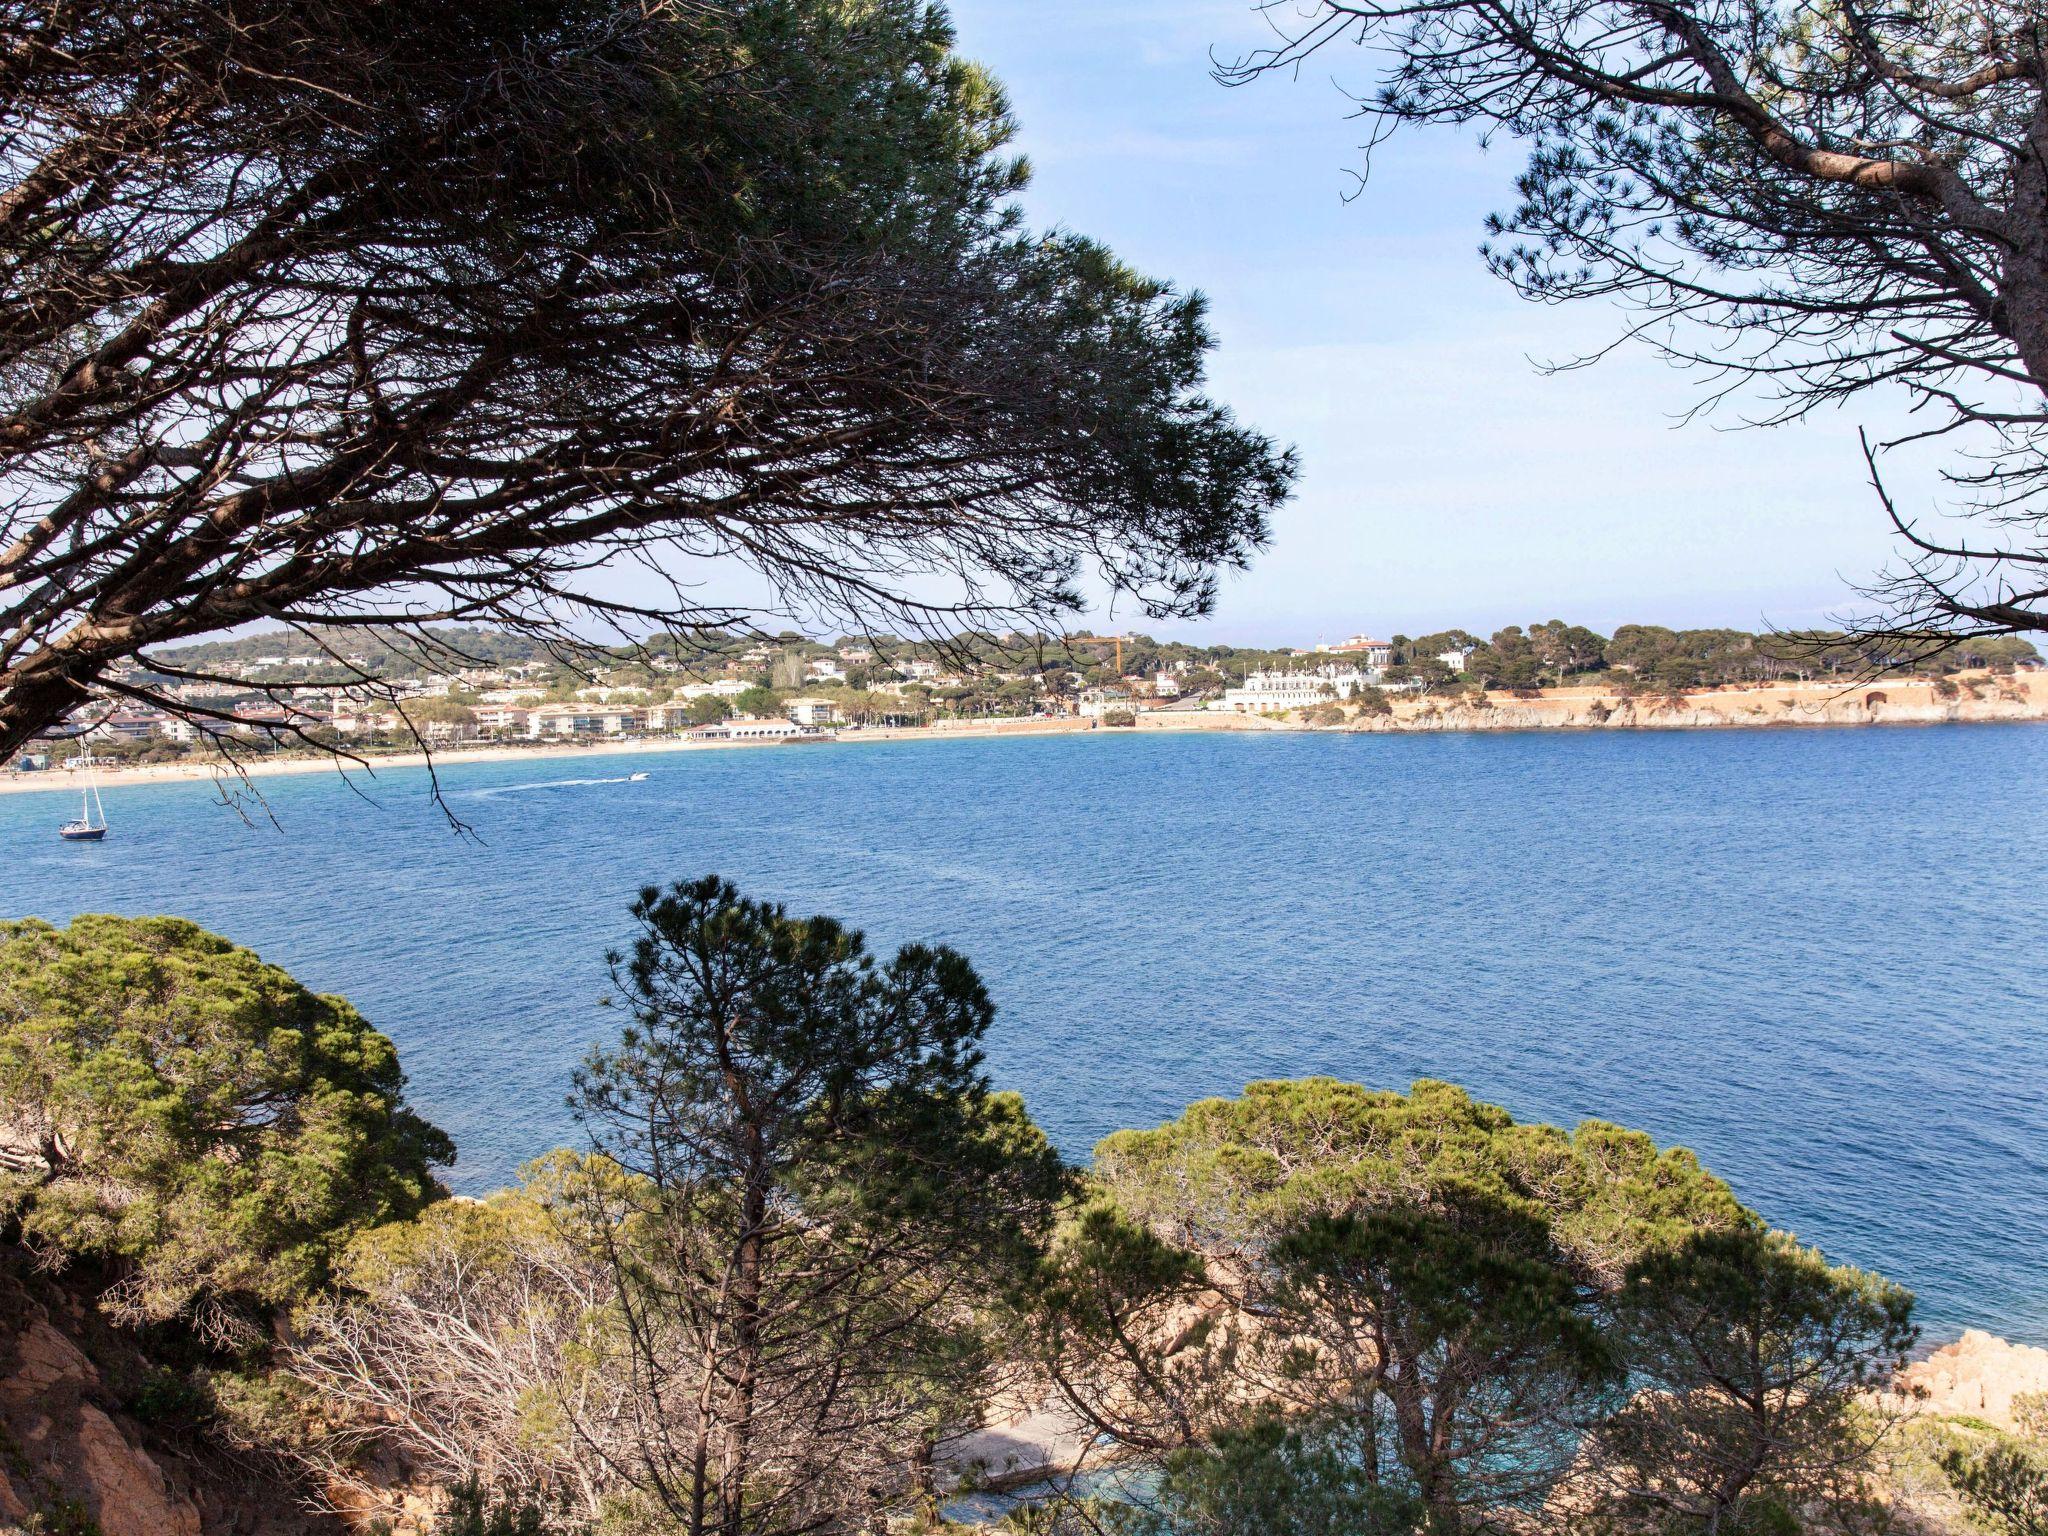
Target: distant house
(127, 725)
(1097, 702)
(813, 712)
(1377, 654)
(353, 721)
(269, 719)
(503, 720)
(1456, 657)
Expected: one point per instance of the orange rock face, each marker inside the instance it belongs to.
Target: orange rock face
(69, 1449)
(1979, 1376)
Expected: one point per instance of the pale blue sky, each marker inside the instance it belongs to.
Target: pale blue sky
(1445, 480)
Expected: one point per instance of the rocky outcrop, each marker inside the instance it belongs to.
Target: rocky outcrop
(74, 1457)
(1980, 1376)
(1907, 702)
(63, 1453)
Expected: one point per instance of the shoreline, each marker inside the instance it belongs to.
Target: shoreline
(2017, 699)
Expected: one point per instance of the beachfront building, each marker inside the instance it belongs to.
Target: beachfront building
(1267, 692)
(1094, 703)
(584, 720)
(813, 712)
(503, 720)
(757, 730)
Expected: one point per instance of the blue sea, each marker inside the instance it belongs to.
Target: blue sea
(1818, 958)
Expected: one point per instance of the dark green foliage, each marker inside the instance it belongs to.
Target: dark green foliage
(758, 701)
(1507, 661)
(1269, 1479)
(823, 1198)
(171, 1400)
(1752, 1354)
(1096, 1309)
(2005, 1485)
(709, 709)
(1417, 1276)
(196, 1117)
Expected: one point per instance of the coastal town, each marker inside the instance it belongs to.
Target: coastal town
(289, 693)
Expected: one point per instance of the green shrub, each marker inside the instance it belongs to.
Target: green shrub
(195, 1117)
(2005, 1485)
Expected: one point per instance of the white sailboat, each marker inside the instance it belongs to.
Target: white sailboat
(91, 824)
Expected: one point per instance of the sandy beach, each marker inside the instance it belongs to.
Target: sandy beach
(1980, 700)
(208, 770)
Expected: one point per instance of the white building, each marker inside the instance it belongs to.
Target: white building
(757, 730)
(1264, 692)
(1375, 653)
(1456, 657)
(812, 711)
(584, 720)
(502, 719)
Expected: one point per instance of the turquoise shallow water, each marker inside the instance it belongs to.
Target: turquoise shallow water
(1820, 958)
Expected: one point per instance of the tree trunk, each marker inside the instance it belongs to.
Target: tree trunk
(747, 1287)
(2023, 276)
(31, 702)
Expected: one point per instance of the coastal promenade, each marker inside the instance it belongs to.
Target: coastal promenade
(1978, 699)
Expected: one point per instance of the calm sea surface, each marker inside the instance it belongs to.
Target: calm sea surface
(1820, 959)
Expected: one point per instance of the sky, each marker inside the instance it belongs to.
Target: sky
(1446, 478)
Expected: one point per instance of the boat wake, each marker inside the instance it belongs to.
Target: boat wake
(515, 789)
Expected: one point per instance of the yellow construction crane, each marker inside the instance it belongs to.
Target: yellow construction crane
(1116, 640)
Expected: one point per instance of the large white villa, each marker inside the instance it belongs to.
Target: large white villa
(1266, 691)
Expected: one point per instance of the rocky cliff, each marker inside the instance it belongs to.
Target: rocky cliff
(1970, 699)
(75, 1456)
